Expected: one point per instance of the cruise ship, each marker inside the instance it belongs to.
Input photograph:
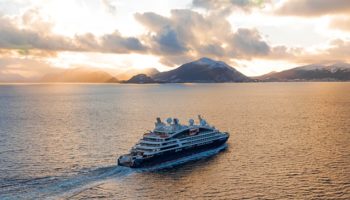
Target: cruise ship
(172, 140)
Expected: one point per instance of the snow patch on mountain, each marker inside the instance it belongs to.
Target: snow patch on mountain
(329, 67)
(211, 63)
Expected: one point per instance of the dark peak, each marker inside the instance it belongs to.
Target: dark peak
(205, 59)
(140, 78)
(203, 70)
(208, 62)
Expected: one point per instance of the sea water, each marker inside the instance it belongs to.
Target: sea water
(287, 141)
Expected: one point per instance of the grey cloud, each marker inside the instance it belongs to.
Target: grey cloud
(12, 37)
(249, 42)
(314, 7)
(185, 33)
(86, 41)
(152, 20)
(167, 42)
(188, 33)
(113, 43)
(212, 50)
(176, 60)
(116, 43)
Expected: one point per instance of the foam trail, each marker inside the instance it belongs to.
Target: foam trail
(75, 186)
(71, 186)
(128, 171)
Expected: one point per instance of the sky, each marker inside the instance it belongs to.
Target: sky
(38, 37)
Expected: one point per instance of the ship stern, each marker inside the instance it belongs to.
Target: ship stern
(125, 160)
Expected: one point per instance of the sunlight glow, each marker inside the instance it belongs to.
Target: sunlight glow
(105, 61)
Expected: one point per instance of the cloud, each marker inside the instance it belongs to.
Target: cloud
(340, 24)
(227, 6)
(37, 34)
(108, 43)
(189, 34)
(167, 42)
(247, 43)
(176, 60)
(314, 7)
(339, 50)
(181, 36)
(12, 37)
(153, 21)
(116, 43)
(212, 49)
(109, 7)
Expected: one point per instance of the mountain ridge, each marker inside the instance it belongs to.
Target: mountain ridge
(203, 70)
(140, 79)
(313, 72)
(80, 75)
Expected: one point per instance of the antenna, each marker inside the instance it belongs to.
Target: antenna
(200, 119)
(169, 120)
(159, 123)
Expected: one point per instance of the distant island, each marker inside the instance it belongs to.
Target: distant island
(203, 70)
(141, 79)
(206, 70)
(80, 75)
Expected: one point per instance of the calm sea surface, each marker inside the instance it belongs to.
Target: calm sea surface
(288, 141)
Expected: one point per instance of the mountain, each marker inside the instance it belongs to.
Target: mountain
(14, 78)
(80, 75)
(204, 70)
(313, 72)
(125, 75)
(140, 78)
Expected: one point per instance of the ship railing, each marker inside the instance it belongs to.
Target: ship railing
(195, 141)
(202, 134)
